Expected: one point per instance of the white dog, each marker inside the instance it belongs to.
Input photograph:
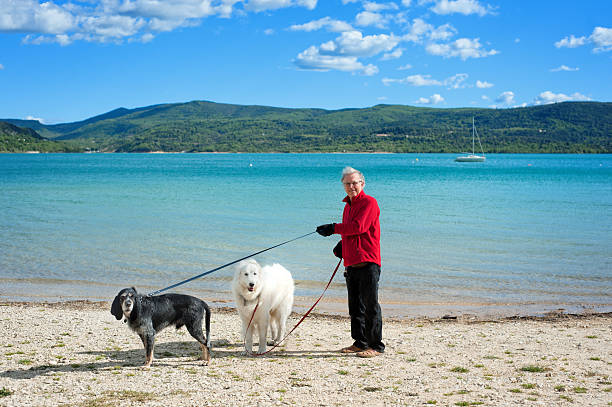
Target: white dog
(272, 288)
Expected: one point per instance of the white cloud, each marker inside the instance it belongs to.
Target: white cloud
(343, 52)
(61, 39)
(405, 67)
(34, 118)
(465, 7)
(414, 80)
(418, 29)
(355, 44)
(442, 33)
(548, 97)
(374, 14)
(31, 16)
(311, 59)
(564, 68)
(370, 70)
(397, 53)
(367, 18)
(116, 26)
(325, 22)
(483, 84)
(456, 81)
(376, 7)
(147, 37)
(264, 5)
(119, 20)
(463, 48)
(571, 42)
(485, 97)
(225, 9)
(421, 30)
(602, 37)
(433, 100)
(269, 31)
(172, 10)
(309, 4)
(506, 98)
(1, 67)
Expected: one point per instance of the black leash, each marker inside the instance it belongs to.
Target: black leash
(225, 265)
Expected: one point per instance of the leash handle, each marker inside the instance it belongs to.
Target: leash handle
(303, 317)
(225, 265)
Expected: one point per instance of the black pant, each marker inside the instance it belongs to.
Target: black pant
(366, 317)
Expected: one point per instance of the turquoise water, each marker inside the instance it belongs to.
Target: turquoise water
(518, 234)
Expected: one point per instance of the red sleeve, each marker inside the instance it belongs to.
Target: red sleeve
(361, 221)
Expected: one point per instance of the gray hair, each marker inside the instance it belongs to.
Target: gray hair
(350, 170)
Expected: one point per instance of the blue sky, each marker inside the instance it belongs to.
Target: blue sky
(63, 61)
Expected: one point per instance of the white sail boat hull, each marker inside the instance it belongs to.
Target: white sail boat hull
(471, 158)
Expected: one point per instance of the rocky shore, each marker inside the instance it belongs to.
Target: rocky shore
(77, 354)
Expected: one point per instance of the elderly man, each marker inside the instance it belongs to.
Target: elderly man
(360, 249)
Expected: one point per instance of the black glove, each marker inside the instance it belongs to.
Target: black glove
(326, 230)
(338, 250)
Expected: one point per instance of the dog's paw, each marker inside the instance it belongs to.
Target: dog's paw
(205, 354)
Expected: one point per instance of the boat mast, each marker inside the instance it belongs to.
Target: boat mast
(477, 136)
(473, 131)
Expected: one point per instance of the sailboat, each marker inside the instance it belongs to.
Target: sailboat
(472, 158)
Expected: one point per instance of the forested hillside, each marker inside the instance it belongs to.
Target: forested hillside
(199, 126)
(15, 139)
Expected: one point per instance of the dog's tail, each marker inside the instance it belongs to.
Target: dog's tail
(207, 325)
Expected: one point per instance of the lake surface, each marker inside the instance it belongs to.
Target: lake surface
(518, 234)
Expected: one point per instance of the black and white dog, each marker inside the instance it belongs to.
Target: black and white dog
(148, 315)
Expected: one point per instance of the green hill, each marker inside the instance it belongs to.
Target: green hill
(570, 127)
(15, 139)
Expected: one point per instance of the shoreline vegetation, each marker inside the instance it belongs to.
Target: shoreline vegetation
(202, 126)
(75, 353)
(246, 152)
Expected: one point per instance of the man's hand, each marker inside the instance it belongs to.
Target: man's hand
(326, 230)
(338, 250)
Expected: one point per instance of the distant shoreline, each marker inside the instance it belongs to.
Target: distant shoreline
(279, 152)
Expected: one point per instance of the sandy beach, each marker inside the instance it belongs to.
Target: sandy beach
(77, 354)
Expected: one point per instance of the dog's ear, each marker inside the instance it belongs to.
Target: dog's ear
(116, 308)
(135, 292)
(135, 314)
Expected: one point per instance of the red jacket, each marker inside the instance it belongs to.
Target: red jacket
(360, 230)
